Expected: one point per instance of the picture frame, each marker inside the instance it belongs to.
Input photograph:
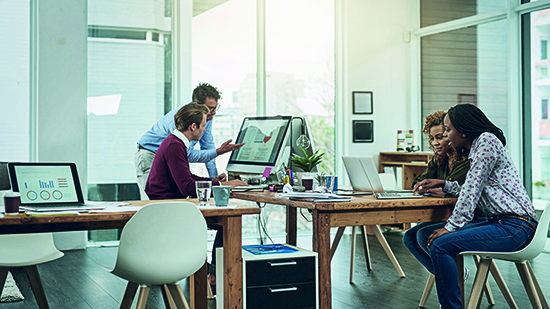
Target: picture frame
(362, 102)
(363, 131)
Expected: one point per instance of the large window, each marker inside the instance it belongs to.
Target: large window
(129, 88)
(299, 81)
(467, 65)
(300, 66)
(14, 80)
(224, 55)
(439, 11)
(540, 93)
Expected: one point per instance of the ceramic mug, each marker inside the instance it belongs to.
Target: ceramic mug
(221, 195)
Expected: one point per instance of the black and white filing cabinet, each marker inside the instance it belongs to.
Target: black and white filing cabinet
(275, 281)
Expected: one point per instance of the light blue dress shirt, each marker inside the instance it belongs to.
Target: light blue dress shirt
(164, 127)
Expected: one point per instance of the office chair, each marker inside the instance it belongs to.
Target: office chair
(521, 258)
(4, 177)
(388, 181)
(486, 288)
(142, 194)
(27, 251)
(161, 244)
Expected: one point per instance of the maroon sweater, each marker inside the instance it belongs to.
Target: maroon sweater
(170, 176)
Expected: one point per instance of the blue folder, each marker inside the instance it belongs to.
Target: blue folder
(269, 249)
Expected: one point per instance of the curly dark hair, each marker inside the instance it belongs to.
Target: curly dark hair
(205, 90)
(436, 119)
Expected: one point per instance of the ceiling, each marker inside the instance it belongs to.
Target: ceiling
(200, 6)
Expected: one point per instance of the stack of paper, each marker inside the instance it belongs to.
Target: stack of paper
(316, 197)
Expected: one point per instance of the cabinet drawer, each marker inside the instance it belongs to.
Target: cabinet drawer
(301, 295)
(280, 271)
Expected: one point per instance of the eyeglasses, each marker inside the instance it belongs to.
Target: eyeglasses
(211, 109)
(214, 108)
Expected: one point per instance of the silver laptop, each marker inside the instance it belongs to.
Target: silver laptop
(47, 186)
(369, 168)
(357, 177)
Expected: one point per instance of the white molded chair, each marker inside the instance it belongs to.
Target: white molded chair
(142, 195)
(521, 258)
(388, 182)
(27, 251)
(161, 244)
(487, 289)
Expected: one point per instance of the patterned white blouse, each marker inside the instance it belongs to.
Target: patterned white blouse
(492, 183)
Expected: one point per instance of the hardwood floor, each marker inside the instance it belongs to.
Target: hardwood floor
(77, 281)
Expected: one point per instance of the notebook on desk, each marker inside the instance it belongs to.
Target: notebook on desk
(48, 186)
(368, 166)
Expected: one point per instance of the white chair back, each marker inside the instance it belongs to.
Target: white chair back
(142, 195)
(162, 243)
(19, 250)
(532, 250)
(388, 181)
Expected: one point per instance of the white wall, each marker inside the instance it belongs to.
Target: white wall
(378, 60)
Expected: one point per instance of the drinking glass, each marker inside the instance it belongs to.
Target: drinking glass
(203, 192)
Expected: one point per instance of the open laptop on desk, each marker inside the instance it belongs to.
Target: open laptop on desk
(357, 177)
(48, 186)
(368, 166)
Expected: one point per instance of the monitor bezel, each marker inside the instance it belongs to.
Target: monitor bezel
(280, 149)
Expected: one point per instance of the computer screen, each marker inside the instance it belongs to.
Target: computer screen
(265, 139)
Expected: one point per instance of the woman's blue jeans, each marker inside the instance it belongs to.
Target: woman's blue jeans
(493, 235)
(416, 239)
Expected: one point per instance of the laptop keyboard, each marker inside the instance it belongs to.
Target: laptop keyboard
(388, 194)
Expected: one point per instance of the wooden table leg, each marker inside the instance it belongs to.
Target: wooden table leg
(321, 244)
(197, 288)
(291, 220)
(232, 263)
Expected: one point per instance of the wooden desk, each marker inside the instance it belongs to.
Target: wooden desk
(231, 219)
(365, 210)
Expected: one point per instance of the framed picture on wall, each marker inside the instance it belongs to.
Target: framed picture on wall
(363, 131)
(362, 102)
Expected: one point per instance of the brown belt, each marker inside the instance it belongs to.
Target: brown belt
(510, 216)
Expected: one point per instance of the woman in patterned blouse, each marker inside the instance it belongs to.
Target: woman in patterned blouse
(493, 185)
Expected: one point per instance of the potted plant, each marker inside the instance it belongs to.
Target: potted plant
(306, 164)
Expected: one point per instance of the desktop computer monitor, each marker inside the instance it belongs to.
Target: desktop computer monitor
(265, 141)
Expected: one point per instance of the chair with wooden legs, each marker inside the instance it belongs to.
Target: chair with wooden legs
(388, 181)
(27, 251)
(161, 244)
(487, 289)
(520, 258)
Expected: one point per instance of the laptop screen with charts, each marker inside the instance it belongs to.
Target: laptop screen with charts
(47, 186)
(357, 176)
(368, 166)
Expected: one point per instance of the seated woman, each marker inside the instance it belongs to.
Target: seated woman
(447, 164)
(170, 176)
(493, 184)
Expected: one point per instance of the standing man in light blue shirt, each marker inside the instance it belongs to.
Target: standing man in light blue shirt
(149, 143)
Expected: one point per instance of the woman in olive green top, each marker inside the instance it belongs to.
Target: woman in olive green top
(446, 164)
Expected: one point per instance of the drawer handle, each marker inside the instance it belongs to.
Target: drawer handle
(282, 263)
(283, 290)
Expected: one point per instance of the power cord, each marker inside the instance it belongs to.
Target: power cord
(261, 227)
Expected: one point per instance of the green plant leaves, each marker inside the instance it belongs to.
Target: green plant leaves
(307, 163)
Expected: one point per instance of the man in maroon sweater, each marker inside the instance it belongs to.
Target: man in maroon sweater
(170, 176)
